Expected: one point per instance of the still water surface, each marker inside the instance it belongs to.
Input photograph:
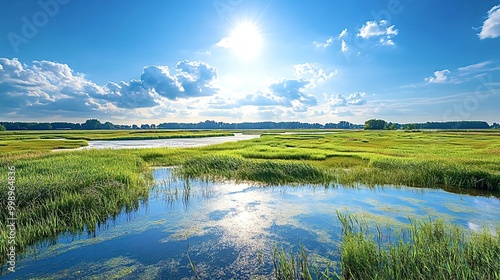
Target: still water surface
(160, 143)
(229, 229)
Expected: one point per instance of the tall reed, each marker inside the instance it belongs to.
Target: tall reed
(423, 250)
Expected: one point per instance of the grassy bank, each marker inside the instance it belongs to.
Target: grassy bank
(422, 250)
(69, 192)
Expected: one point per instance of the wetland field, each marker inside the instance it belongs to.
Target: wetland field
(302, 205)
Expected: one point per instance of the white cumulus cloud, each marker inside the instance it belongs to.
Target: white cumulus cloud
(344, 48)
(312, 73)
(325, 44)
(287, 93)
(47, 87)
(379, 29)
(491, 26)
(343, 33)
(340, 100)
(387, 42)
(374, 28)
(293, 90)
(439, 77)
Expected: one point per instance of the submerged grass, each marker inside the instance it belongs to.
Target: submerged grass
(290, 266)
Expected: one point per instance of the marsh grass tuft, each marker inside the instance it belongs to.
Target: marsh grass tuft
(430, 173)
(423, 250)
(271, 172)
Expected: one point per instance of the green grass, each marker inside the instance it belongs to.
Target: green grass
(69, 192)
(21, 141)
(421, 250)
(429, 159)
(13, 146)
(422, 159)
(109, 134)
(271, 172)
(72, 191)
(290, 266)
(424, 250)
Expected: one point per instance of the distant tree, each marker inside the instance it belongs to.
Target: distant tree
(91, 124)
(153, 126)
(375, 124)
(107, 125)
(145, 126)
(210, 125)
(344, 125)
(2, 127)
(11, 125)
(134, 126)
(411, 126)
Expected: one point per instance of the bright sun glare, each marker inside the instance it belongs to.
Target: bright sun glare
(245, 40)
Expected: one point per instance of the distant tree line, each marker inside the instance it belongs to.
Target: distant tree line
(381, 124)
(94, 124)
(258, 125)
(87, 125)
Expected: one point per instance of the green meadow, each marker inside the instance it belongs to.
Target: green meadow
(421, 159)
(75, 191)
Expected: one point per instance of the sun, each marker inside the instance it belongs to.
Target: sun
(245, 40)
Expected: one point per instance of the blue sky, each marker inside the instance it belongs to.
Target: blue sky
(239, 60)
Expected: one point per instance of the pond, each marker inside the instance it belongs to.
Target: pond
(160, 143)
(228, 230)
